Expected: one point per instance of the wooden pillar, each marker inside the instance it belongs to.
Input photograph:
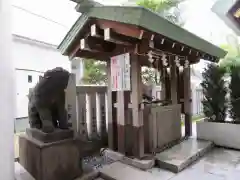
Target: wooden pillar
(167, 86)
(173, 77)
(137, 112)
(111, 114)
(121, 124)
(187, 102)
(163, 83)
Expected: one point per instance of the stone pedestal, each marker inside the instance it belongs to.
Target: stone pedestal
(58, 160)
(57, 135)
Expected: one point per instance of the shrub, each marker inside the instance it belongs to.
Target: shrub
(214, 93)
(234, 87)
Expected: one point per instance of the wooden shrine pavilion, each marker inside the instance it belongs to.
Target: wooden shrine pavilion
(144, 38)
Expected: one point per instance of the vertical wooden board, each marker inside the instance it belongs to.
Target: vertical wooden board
(146, 123)
(121, 122)
(94, 117)
(106, 110)
(98, 114)
(155, 128)
(71, 102)
(89, 115)
(114, 119)
(82, 121)
(150, 136)
(103, 123)
(163, 84)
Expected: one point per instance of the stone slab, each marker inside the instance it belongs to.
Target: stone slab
(57, 135)
(144, 164)
(182, 155)
(50, 161)
(120, 171)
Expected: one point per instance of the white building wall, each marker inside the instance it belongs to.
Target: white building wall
(25, 79)
(31, 55)
(31, 60)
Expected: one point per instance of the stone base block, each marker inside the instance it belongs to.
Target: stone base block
(144, 164)
(50, 161)
(57, 135)
(182, 155)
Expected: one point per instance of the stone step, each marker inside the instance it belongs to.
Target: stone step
(120, 171)
(183, 154)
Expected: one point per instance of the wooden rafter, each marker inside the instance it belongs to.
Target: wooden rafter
(96, 31)
(112, 36)
(91, 43)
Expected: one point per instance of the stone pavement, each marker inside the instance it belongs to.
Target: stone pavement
(218, 164)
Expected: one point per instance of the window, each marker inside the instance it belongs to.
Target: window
(29, 79)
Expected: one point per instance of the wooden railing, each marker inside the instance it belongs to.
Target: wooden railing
(92, 112)
(87, 105)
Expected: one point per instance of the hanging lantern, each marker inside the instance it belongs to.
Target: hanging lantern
(157, 77)
(164, 59)
(186, 65)
(177, 61)
(181, 68)
(150, 57)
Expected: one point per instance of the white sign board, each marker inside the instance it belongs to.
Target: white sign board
(120, 73)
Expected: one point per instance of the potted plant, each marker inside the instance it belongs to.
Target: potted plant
(214, 127)
(235, 94)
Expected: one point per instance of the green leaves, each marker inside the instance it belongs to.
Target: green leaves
(94, 72)
(232, 58)
(166, 8)
(214, 92)
(235, 93)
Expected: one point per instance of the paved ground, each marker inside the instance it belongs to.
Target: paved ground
(219, 164)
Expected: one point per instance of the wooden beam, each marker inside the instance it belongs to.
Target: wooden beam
(74, 52)
(121, 28)
(96, 31)
(84, 46)
(95, 44)
(176, 48)
(112, 36)
(92, 55)
(151, 41)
